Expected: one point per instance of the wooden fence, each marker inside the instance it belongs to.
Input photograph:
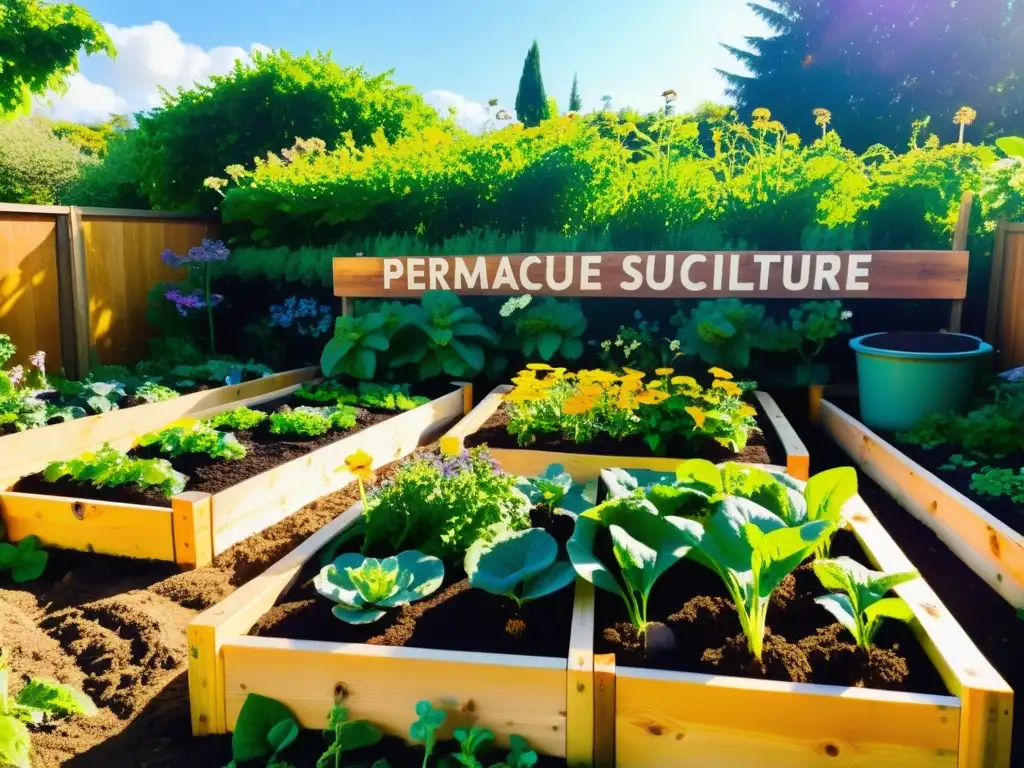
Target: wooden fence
(74, 281)
(1004, 328)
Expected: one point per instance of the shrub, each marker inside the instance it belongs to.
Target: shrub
(36, 165)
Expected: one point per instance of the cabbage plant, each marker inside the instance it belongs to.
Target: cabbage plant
(364, 587)
(521, 565)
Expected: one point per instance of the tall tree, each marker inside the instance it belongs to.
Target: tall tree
(878, 66)
(532, 101)
(39, 47)
(575, 102)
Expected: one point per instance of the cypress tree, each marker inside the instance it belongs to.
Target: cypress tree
(575, 102)
(531, 100)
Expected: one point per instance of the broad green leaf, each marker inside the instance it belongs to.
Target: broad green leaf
(334, 351)
(376, 340)
(15, 743)
(890, 608)
(334, 583)
(700, 474)
(572, 348)
(421, 575)
(282, 735)
(364, 364)
(499, 566)
(472, 354)
(359, 734)
(356, 615)
(841, 608)
(256, 719)
(777, 553)
(1012, 146)
(555, 577)
(636, 560)
(827, 492)
(833, 575)
(548, 344)
(475, 331)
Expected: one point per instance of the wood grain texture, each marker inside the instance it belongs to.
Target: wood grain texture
(963, 229)
(191, 516)
(1009, 332)
(798, 460)
(987, 545)
(604, 710)
(890, 274)
(28, 286)
(580, 695)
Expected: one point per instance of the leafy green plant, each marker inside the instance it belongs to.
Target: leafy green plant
(92, 396)
(645, 545)
(109, 467)
(442, 336)
(353, 349)
(556, 490)
(721, 332)
(548, 328)
(521, 565)
(217, 371)
(860, 603)
(471, 740)
(347, 735)
(992, 481)
(39, 700)
(364, 586)
(198, 437)
(958, 460)
(240, 418)
(428, 720)
(312, 422)
(990, 430)
(384, 397)
(26, 560)
(811, 326)
(520, 755)
(151, 392)
(264, 729)
(441, 505)
(640, 347)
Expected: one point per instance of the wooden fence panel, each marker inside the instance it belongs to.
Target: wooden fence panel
(122, 264)
(28, 285)
(1005, 326)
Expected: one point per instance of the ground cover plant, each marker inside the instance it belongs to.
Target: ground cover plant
(442, 539)
(741, 571)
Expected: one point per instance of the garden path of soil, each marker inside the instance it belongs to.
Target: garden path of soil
(116, 627)
(762, 446)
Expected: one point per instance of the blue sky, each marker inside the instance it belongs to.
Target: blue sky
(458, 51)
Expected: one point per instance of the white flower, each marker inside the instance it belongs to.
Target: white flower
(845, 314)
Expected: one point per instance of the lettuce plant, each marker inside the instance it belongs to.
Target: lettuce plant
(384, 397)
(860, 604)
(364, 586)
(521, 565)
(198, 437)
(442, 336)
(91, 396)
(151, 392)
(752, 550)
(239, 419)
(109, 467)
(645, 545)
(312, 422)
(353, 349)
(550, 327)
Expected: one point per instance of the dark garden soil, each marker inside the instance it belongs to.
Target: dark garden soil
(921, 341)
(1002, 507)
(762, 446)
(207, 475)
(455, 618)
(116, 627)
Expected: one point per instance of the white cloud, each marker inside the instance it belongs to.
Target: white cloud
(150, 57)
(471, 115)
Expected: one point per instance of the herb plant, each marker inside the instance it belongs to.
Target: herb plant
(958, 460)
(240, 418)
(520, 755)
(384, 397)
(428, 720)
(640, 347)
(992, 481)
(109, 467)
(471, 741)
(521, 565)
(347, 735)
(644, 543)
(549, 328)
(38, 701)
(308, 421)
(364, 586)
(25, 560)
(197, 437)
(441, 505)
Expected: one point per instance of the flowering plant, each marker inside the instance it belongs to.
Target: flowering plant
(637, 347)
(196, 294)
(304, 315)
(583, 405)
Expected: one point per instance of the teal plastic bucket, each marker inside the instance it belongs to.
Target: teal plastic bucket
(897, 387)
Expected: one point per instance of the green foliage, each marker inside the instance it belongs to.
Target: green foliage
(428, 720)
(990, 430)
(26, 560)
(521, 565)
(722, 332)
(532, 104)
(39, 44)
(383, 397)
(198, 437)
(363, 587)
(575, 102)
(264, 729)
(451, 338)
(992, 481)
(549, 328)
(556, 490)
(352, 351)
(346, 735)
(471, 740)
(312, 422)
(860, 603)
(213, 371)
(91, 140)
(1012, 146)
(109, 467)
(237, 419)
(441, 506)
(639, 347)
(90, 396)
(645, 545)
(35, 165)
(151, 392)
(39, 701)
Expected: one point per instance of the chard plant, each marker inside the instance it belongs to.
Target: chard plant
(195, 437)
(520, 565)
(109, 467)
(644, 543)
(364, 587)
(859, 602)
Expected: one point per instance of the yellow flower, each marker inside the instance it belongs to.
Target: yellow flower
(730, 388)
(523, 395)
(664, 371)
(697, 414)
(599, 376)
(718, 373)
(631, 374)
(451, 445)
(651, 397)
(657, 384)
(626, 401)
(539, 367)
(578, 404)
(590, 390)
(360, 464)
(747, 410)
(685, 381)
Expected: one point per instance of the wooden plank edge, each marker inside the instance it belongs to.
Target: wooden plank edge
(988, 563)
(579, 712)
(604, 710)
(473, 420)
(798, 460)
(192, 526)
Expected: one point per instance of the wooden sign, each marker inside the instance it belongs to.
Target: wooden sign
(664, 274)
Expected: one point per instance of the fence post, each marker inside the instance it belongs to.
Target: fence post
(72, 294)
(995, 284)
(963, 228)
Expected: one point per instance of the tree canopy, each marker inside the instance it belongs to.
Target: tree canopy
(532, 104)
(39, 47)
(575, 102)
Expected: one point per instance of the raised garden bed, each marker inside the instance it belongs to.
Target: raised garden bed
(304, 658)
(774, 442)
(982, 533)
(699, 705)
(226, 503)
(26, 452)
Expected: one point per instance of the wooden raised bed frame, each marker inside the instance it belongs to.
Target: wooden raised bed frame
(549, 701)
(585, 467)
(199, 526)
(987, 545)
(664, 718)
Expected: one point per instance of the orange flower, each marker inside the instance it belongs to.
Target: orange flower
(651, 397)
(719, 373)
(698, 416)
(730, 388)
(578, 404)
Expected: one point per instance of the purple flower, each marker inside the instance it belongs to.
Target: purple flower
(38, 360)
(16, 375)
(208, 250)
(185, 302)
